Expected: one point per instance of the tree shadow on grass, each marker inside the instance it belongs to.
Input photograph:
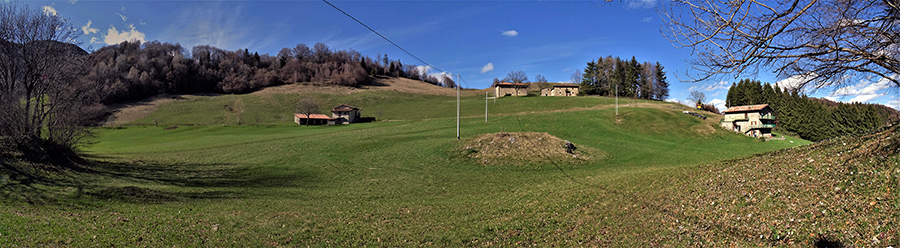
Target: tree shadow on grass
(95, 179)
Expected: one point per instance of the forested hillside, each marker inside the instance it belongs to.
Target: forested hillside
(135, 70)
(811, 118)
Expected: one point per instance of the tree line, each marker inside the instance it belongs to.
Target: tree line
(810, 118)
(614, 76)
(135, 70)
(51, 90)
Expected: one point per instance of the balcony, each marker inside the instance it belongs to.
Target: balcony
(762, 126)
(766, 117)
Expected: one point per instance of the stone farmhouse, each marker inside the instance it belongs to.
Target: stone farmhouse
(342, 114)
(562, 89)
(750, 120)
(345, 114)
(510, 89)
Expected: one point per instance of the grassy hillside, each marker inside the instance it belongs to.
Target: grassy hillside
(400, 183)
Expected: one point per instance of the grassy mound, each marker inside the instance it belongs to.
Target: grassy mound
(841, 192)
(524, 148)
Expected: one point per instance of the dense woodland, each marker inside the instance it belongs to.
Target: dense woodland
(632, 79)
(135, 70)
(810, 118)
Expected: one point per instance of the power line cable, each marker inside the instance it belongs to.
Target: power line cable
(382, 36)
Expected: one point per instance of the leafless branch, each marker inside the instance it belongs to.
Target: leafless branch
(827, 41)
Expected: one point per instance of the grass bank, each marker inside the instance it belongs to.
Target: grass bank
(400, 183)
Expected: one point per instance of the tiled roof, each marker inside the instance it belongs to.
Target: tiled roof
(313, 116)
(746, 108)
(567, 85)
(511, 84)
(343, 107)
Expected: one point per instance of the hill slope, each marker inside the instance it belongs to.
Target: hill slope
(272, 102)
(398, 183)
(839, 192)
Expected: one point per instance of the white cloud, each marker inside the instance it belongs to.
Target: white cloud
(641, 4)
(73, 1)
(49, 11)
(510, 33)
(798, 82)
(113, 36)
(95, 40)
(863, 91)
(439, 75)
(894, 104)
(142, 22)
(488, 67)
(647, 19)
(88, 29)
(124, 18)
(719, 103)
(717, 86)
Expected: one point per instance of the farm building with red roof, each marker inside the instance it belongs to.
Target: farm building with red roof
(751, 120)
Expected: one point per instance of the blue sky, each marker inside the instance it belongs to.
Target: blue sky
(477, 40)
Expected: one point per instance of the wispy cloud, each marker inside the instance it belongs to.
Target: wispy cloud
(114, 36)
(73, 1)
(647, 19)
(716, 86)
(49, 11)
(524, 57)
(124, 18)
(863, 91)
(368, 40)
(641, 4)
(510, 33)
(208, 25)
(894, 103)
(488, 67)
(88, 29)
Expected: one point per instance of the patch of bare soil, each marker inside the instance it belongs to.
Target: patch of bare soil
(524, 148)
(416, 87)
(386, 84)
(123, 113)
(305, 88)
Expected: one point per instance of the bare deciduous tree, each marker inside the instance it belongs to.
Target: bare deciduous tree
(820, 42)
(40, 74)
(697, 97)
(307, 106)
(447, 82)
(541, 83)
(517, 78)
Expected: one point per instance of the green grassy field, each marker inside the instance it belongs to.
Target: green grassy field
(406, 182)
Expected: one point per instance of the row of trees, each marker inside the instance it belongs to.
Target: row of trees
(44, 98)
(605, 76)
(51, 90)
(135, 70)
(810, 118)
